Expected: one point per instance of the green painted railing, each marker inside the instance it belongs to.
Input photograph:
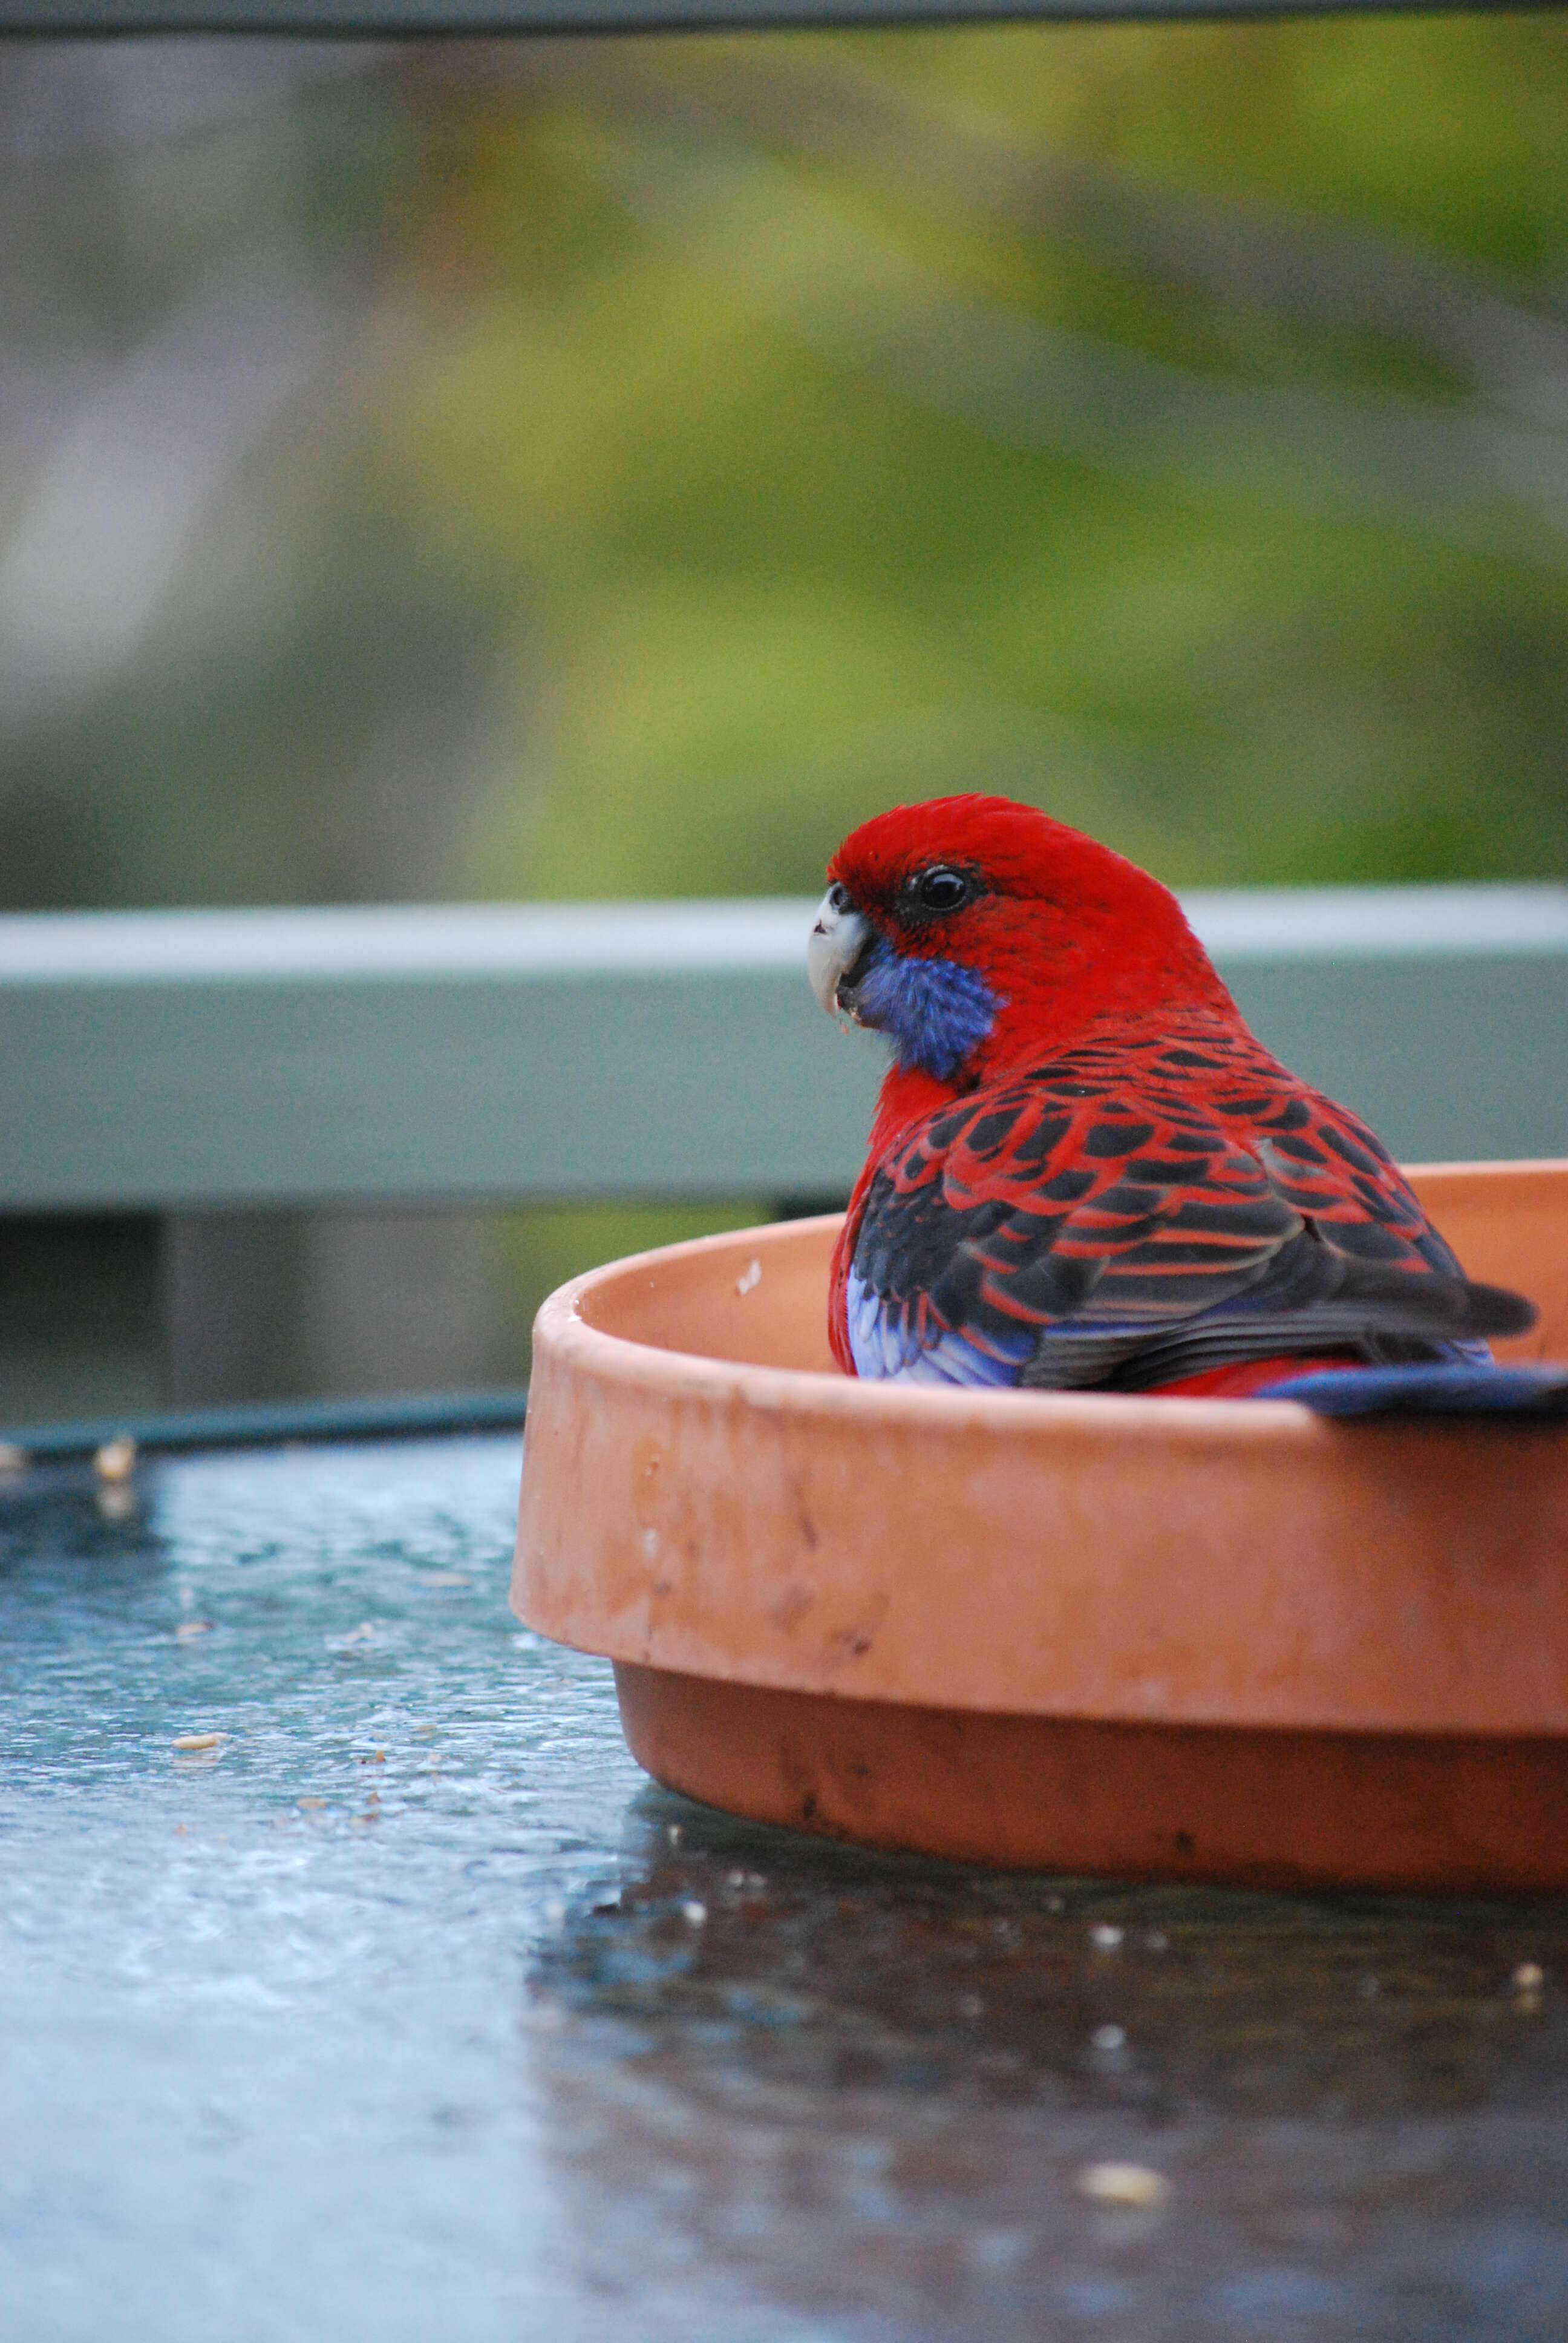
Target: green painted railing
(168, 1060)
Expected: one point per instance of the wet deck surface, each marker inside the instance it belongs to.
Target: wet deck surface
(412, 2010)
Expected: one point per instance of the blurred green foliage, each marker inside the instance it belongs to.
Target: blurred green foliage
(721, 438)
(764, 585)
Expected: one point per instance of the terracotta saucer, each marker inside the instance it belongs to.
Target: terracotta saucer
(1162, 1638)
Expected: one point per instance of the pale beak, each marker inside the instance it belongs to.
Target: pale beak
(836, 942)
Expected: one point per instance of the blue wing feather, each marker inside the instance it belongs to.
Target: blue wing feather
(1462, 1387)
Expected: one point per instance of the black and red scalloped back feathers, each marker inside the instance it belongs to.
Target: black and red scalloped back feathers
(1116, 1185)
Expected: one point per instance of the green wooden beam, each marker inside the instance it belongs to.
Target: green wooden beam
(170, 1061)
(390, 18)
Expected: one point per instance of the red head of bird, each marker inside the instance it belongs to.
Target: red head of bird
(975, 933)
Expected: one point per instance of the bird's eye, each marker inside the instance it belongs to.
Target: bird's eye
(838, 896)
(943, 889)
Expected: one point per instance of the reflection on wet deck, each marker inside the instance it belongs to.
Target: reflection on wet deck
(876, 2089)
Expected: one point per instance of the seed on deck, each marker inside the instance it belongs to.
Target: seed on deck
(117, 1459)
(1123, 2184)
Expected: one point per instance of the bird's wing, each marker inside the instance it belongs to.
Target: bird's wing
(1097, 1222)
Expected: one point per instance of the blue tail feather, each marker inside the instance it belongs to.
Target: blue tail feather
(1454, 1387)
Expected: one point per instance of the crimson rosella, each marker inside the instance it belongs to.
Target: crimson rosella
(1086, 1172)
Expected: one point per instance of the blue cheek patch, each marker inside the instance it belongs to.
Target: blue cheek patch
(934, 1011)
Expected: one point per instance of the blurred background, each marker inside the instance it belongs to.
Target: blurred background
(554, 470)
